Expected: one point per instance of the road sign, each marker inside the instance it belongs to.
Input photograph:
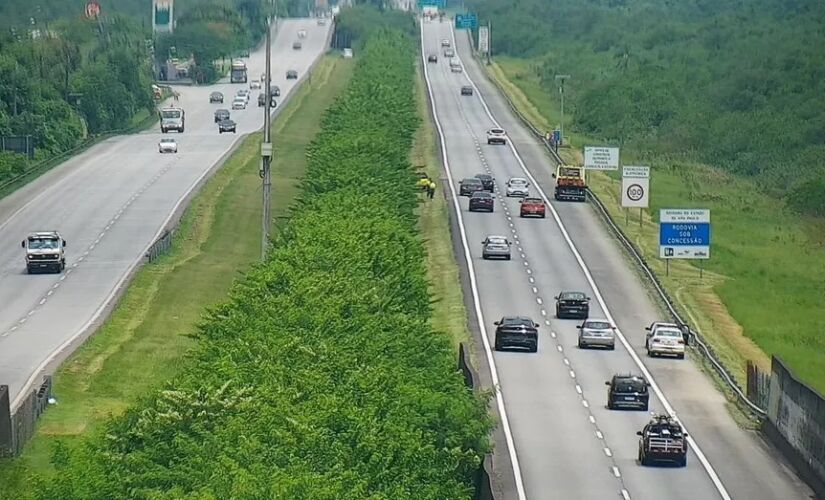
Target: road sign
(684, 233)
(483, 39)
(635, 186)
(464, 21)
(601, 158)
(436, 3)
(163, 15)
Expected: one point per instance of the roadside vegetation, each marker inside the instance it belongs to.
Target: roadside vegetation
(144, 343)
(761, 291)
(321, 375)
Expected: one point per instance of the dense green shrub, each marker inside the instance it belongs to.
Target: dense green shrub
(735, 84)
(320, 377)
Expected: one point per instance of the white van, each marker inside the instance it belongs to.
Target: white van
(171, 119)
(455, 66)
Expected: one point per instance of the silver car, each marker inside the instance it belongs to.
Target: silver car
(665, 340)
(495, 247)
(597, 332)
(168, 145)
(518, 186)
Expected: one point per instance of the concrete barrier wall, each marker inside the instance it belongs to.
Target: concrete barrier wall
(18, 427)
(796, 425)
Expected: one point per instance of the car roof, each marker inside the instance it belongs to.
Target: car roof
(471, 179)
(483, 176)
(44, 234)
(532, 200)
(596, 320)
(516, 320)
(496, 130)
(496, 237)
(517, 179)
(216, 93)
(167, 139)
(482, 194)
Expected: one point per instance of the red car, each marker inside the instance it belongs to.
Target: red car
(532, 206)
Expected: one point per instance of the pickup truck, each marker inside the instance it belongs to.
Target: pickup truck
(570, 183)
(532, 206)
(663, 439)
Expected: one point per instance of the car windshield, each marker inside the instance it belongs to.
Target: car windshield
(170, 113)
(518, 182)
(496, 239)
(532, 200)
(43, 243)
(482, 194)
(471, 181)
(496, 131)
(572, 296)
(216, 94)
(483, 177)
(167, 141)
(597, 325)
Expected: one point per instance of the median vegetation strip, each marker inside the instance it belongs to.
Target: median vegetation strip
(144, 342)
(759, 291)
(321, 376)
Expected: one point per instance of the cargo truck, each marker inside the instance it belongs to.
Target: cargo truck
(238, 73)
(570, 183)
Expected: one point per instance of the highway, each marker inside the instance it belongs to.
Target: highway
(110, 203)
(560, 440)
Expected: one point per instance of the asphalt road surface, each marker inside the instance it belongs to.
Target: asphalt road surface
(565, 442)
(110, 203)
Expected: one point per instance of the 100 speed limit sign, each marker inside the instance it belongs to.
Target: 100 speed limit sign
(635, 187)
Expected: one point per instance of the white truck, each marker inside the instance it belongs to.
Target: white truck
(238, 72)
(44, 252)
(172, 119)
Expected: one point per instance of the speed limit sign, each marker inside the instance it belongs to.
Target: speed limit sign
(635, 186)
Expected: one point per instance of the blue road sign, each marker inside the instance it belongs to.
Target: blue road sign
(465, 21)
(435, 3)
(684, 233)
(557, 136)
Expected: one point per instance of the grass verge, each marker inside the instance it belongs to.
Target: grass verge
(449, 313)
(758, 293)
(143, 343)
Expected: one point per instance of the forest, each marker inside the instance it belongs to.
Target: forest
(734, 84)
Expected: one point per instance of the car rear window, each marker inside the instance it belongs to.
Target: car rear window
(516, 321)
(572, 296)
(600, 325)
(482, 194)
(668, 332)
(497, 131)
(630, 385)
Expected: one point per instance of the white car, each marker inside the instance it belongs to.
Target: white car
(302, 33)
(322, 21)
(496, 136)
(518, 186)
(168, 145)
(655, 325)
(666, 340)
(445, 42)
(255, 84)
(245, 93)
(239, 103)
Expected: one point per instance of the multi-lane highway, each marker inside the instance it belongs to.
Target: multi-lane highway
(110, 203)
(560, 440)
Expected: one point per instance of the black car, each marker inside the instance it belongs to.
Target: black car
(663, 440)
(215, 97)
(466, 90)
(482, 200)
(469, 186)
(262, 100)
(432, 58)
(275, 90)
(292, 75)
(572, 305)
(626, 390)
(221, 114)
(486, 181)
(517, 331)
(226, 126)
(296, 46)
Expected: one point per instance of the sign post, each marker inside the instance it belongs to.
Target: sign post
(684, 233)
(601, 158)
(484, 40)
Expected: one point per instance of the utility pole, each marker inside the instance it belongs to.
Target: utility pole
(266, 148)
(561, 79)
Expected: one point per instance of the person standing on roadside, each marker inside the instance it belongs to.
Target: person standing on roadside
(431, 189)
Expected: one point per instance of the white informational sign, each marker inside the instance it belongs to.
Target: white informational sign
(635, 187)
(684, 233)
(601, 158)
(483, 39)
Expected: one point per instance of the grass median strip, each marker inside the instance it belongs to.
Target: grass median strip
(759, 293)
(145, 340)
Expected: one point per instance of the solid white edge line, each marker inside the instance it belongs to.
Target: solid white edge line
(505, 422)
(714, 477)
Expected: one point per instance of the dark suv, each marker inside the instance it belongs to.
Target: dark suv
(469, 186)
(466, 90)
(482, 200)
(221, 115)
(487, 181)
(517, 331)
(572, 305)
(626, 390)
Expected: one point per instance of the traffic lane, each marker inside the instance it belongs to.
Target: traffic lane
(195, 99)
(67, 208)
(507, 293)
(734, 452)
(98, 262)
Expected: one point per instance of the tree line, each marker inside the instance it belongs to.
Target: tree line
(733, 84)
(320, 376)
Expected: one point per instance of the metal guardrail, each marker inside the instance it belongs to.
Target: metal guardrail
(703, 347)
